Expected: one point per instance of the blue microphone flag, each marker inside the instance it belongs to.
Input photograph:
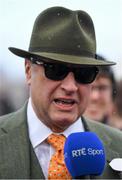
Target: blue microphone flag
(84, 154)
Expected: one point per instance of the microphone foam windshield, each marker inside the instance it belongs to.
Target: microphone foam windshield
(84, 154)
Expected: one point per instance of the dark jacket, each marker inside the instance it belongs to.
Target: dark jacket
(18, 160)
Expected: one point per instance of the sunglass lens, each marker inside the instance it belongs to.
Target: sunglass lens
(86, 75)
(55, 71)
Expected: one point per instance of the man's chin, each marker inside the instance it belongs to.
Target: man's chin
(62, 124)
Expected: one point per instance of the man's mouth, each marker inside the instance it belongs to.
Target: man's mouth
(65, 102)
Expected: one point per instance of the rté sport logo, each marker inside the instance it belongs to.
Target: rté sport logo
(85, 152)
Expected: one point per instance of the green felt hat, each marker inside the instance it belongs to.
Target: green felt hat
(62, 35)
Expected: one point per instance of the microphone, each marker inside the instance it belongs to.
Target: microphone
(84, 154)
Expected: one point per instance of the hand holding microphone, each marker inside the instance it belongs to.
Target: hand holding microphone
(84, 154)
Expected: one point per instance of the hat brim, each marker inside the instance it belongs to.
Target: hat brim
(64, 58)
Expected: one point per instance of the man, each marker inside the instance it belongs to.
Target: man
(60, 67)
(102, 95)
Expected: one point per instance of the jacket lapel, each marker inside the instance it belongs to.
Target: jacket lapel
(18, 160)
(14, 147)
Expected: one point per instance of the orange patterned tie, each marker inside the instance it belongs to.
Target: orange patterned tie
(57, 168)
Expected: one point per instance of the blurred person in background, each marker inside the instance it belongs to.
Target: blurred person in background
(102, 95)
(115, 119)
(60, 66)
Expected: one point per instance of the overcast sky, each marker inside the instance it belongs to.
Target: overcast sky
(17, 18)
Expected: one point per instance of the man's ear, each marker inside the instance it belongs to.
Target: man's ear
(28, 71)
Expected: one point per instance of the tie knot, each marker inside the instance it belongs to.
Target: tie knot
(56, 140)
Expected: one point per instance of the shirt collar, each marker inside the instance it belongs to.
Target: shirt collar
(38, 131)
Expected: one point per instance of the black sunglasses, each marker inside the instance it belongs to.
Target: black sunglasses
(58, 71)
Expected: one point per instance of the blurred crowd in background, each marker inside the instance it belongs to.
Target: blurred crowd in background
(105, 104)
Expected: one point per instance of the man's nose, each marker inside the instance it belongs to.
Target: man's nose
(69, 83)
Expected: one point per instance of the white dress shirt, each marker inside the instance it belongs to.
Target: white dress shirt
(38, 133)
